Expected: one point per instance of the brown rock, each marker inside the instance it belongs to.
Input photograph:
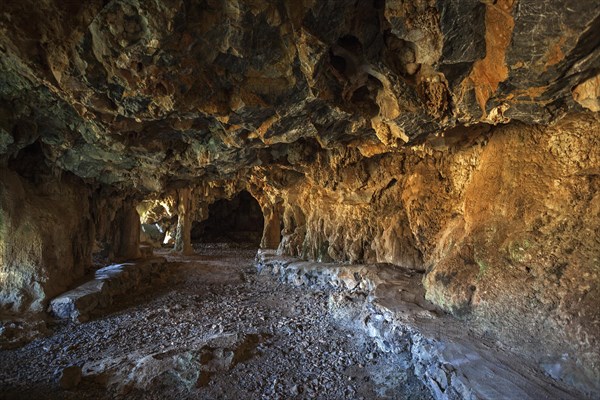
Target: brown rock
(70, 377)
(587, 93)
(442, 136)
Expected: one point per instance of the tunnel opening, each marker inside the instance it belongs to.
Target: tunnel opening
(239, 220)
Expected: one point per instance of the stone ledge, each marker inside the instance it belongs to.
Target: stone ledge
(388, 303)
(109, 282)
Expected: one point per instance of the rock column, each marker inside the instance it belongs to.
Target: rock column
(183, 242)
(272, 229)
(128, 245)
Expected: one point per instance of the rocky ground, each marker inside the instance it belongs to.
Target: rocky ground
(218, 330)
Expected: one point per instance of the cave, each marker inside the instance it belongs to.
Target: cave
(238, 220)
(300, 199)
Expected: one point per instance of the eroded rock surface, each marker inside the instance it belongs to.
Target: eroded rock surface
(109, 283)
(223, 332)
(149, 93)
(505, 223)
(44, 233)
(455, 138)
(389, 304)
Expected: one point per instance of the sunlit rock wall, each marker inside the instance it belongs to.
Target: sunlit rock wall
(505, 222)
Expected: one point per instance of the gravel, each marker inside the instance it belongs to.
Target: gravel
(217, 331)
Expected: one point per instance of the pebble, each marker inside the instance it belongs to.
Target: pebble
(286, 343)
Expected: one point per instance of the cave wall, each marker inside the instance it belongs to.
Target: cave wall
(504, 220)
(116, 225)
(50, 229)
(46, 238)
(372, 129)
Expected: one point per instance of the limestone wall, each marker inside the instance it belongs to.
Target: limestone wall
(46, 239)
(505, 222)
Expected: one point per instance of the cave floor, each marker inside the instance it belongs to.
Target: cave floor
(217, 330)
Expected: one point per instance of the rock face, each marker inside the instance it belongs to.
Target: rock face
(49, 228)
(507, 228)
(388, 303)
(44, 234)
(456, 138)
(146, 94)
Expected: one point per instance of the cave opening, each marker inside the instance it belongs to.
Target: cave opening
(238, 220)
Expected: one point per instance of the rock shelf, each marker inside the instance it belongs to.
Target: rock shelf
(109, 282)
(388, 303)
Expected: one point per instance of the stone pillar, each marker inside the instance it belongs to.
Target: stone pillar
(128, 245)
(185, 214)
(272, 227)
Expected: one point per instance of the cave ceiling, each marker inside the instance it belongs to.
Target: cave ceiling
(152, 94)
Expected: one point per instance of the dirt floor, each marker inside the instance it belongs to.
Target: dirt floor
(217, 330)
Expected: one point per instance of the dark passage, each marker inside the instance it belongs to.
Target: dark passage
(239, 220)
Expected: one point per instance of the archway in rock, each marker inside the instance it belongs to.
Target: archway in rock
(239, 220)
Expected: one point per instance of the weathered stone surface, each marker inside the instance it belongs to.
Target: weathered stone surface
(389, 304)
(110, 282)
(457, 138)
(587, 93)
(44, 234)
(505, 223)
(49, 228)
(76, 304)
(147, 94)
(184, 222)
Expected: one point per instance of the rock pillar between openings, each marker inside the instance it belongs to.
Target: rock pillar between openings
(272, 230)
(128, 245)
(185, 212)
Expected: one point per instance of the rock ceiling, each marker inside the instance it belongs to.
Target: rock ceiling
(152, 94)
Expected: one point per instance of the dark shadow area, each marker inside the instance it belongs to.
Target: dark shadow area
(239, 220)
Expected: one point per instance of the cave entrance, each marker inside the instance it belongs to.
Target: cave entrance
(239, 220)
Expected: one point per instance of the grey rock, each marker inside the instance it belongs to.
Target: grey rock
(110, 282)
(453, 362)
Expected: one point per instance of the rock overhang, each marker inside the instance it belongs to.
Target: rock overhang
(143, 95)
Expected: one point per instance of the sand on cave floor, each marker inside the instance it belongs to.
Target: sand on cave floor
(217, 330)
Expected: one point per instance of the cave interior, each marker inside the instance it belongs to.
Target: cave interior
(423, 174)
(239, 220)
